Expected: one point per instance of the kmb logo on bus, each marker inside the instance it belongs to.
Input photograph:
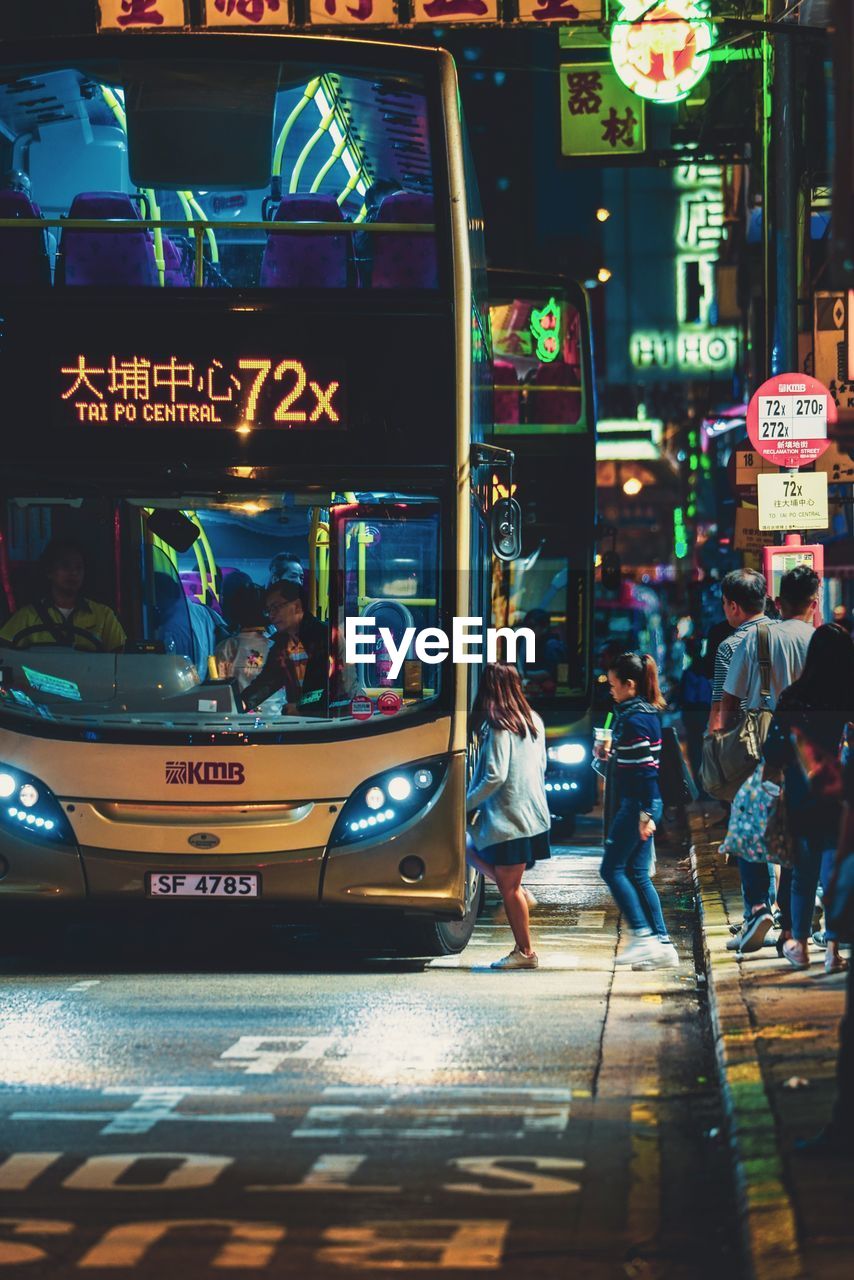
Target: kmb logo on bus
(206, 773)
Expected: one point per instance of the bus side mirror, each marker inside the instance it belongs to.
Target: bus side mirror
(612, 571)
(173, 528)
(505, 527)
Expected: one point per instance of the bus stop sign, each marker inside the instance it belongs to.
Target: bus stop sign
(787, 419)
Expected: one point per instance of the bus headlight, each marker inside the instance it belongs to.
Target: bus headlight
(30, 808)
(568, 753)
(406, 793)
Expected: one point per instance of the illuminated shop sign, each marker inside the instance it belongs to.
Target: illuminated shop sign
(241, 394)
(662, 50)
(140, 15)
(697, 344)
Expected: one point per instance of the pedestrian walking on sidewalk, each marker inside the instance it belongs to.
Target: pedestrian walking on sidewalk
(627, 860)
(508, 794)
(815, 709)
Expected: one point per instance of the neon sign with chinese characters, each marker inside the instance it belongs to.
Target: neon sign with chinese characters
(241, 394)
(661, 51)
(545, 327)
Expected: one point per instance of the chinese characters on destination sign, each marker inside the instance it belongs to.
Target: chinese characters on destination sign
(130, 15)
(240, 393)
(788, 502)
(787, 420)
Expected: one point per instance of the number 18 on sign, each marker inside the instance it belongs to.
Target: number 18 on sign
(787, 420)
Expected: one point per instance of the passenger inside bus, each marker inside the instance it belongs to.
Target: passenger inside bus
(298, 661)
(184, 624)
(62, 615)
(242, 655)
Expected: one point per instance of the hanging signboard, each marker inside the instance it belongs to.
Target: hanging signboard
(248, 13)
(136, 15)
(787, 419)
(748, 536)
(661, 49)
(599, 116)
(791, 502)
(139, 15)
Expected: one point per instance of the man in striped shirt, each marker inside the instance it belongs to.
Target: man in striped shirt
(743, 597)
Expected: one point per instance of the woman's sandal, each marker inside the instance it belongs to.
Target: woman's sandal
(835, 964)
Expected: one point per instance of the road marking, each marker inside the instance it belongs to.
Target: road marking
(249, 1244)
(19, 1171)
(592, 919)
(84, 986)
(102, 1173)
(364, 1112)
(524, 1181)
(331, 1173)
(150, 1108)
(472, 1244)
(261, 1061)
(11, 1254)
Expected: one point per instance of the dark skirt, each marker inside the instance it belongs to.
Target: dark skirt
(513, 853)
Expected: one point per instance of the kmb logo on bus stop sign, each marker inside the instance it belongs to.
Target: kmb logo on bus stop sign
(787, 419)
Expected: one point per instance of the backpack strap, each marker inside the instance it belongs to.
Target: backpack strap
(763, 651)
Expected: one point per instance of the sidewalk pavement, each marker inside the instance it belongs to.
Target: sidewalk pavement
(776, 1039)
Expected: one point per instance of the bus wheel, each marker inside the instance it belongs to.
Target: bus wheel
(443, 937)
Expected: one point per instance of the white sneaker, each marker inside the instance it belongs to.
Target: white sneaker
(663, 955)
(638, 950)
(517, 960)
(532, 902)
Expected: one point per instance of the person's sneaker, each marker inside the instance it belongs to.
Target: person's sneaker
(530, 899)
(638, 950)
(820, 939)
(737, 932)
(755, 930)
(662, 955)
(517, 960)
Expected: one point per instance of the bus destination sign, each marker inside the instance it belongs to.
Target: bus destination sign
(241, 394)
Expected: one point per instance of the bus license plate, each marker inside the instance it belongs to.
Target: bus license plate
(205, 884)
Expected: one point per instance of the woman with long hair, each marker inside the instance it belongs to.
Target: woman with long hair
(809, 720)
(628, 854)
(508, 793)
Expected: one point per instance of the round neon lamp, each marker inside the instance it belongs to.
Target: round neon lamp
(662, 50)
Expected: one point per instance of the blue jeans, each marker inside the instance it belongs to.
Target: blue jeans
(625, 869)
(755, 884)
(814, 863)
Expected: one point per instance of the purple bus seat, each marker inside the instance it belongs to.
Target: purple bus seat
(301, 261)
(179, 273)
(401, 261)
(106, 257)
(506, 394)
(23, 254)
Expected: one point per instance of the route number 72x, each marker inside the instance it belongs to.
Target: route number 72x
(285, 411)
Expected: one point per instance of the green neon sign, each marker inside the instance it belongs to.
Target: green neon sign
(545, 326)
(661, 49)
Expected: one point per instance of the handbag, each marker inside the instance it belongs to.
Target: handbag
(751, 807)
(731, 755)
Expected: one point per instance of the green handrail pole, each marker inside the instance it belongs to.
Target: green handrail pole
(337, 152)
(308, 95)
(321, 129)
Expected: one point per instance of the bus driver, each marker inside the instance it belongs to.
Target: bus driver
(63, 615)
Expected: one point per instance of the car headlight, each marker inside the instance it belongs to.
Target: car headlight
(388, 800)
(29, 808)
(568, 753)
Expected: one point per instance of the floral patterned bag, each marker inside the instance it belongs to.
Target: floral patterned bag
(751, 808)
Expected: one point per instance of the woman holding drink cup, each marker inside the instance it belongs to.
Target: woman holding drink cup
(634, 745)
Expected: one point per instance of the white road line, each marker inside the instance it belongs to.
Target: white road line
(150, 1108)
(84, 986)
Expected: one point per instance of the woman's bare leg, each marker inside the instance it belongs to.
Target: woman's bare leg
(479, 865)
(509, 881)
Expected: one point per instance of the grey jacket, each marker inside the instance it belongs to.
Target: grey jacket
(508, 787)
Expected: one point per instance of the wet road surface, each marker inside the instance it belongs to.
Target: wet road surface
(255, 1102)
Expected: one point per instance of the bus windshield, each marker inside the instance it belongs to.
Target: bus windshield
(218, 613)
(247, 147)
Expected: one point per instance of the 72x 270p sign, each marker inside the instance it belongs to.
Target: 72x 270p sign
(130, 15)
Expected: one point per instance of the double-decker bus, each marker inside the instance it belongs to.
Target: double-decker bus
(544, 408)
(244, 340)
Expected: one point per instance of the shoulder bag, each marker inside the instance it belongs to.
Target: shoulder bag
(731, 755)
